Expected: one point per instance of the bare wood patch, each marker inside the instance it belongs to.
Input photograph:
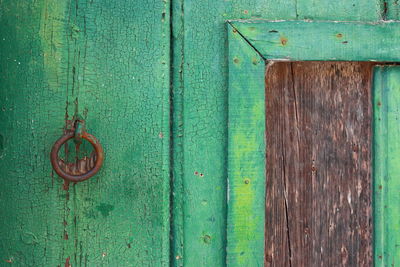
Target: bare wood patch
(318, 198)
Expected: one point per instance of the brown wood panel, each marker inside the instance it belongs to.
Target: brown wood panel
(318, 197)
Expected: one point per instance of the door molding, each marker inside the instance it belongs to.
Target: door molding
(253, 44)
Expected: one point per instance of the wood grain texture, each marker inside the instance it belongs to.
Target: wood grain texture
(386, 147)
(246, 154)
(323, 40)
(108, 61)
(318, 131)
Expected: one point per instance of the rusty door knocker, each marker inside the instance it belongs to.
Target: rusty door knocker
(82, 169)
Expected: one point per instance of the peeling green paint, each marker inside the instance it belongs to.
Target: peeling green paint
(246, 155)
(109, 61)
(386, 165)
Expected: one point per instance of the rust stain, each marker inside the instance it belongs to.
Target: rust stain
(284, 40)
(67, 264)
(65, 235)
(66, 185)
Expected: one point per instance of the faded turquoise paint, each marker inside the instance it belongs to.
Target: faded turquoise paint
(391, 9)
(246, 154)
(322, 40)
(350, 10)
(386, 167)
(108, 61)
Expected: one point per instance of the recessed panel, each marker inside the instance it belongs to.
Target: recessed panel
(318, 161)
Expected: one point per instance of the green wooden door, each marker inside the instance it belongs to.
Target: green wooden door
(151, 80)
(109, 62)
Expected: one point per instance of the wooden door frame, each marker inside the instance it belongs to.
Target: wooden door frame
(252, 45)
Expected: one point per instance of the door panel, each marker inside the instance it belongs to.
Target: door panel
(109, 62)
(318, 164)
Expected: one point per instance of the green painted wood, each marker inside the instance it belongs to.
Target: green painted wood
(177, 163)
(344, 10)
(391, 9)
(246, 154)
(205, 97)
(257, 35)
(323, 40)
(204, 136)
(108, 61)
(386, 166)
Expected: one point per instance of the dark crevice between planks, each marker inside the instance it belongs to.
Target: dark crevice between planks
(287, 215)
(176, 128)
(318, 195)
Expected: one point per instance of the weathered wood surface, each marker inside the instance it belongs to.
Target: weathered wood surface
(322, 40)
(386, 147)
(109, 60)
(202, 74)
(318, 131)
(246, 150)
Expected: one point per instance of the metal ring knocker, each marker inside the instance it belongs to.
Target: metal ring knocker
(82, 169)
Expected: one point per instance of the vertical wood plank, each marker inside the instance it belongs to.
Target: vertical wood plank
(386, 147)
(246, 154)
(205, 96)
(108, 61)
(318, 131)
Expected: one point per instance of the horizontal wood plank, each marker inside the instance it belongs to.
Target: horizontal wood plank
(323, 40)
